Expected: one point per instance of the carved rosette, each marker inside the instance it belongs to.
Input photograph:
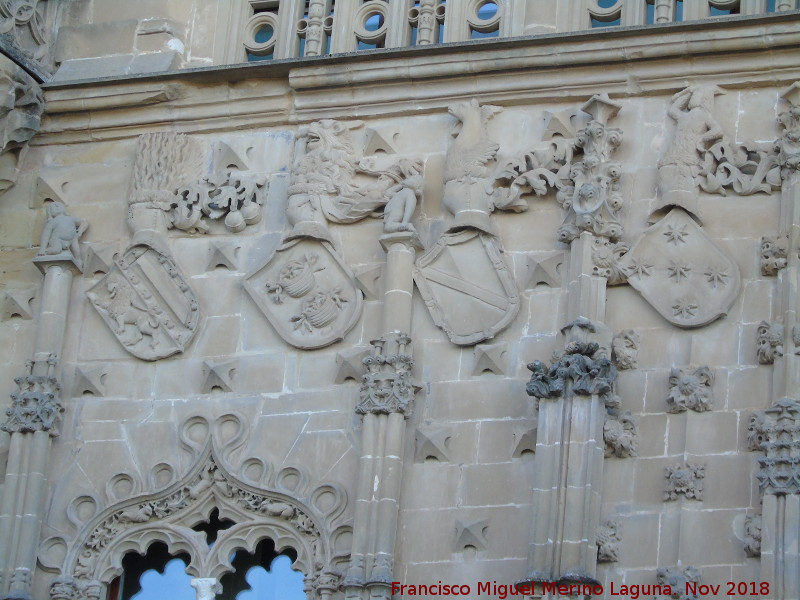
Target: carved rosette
(684, 480)
(776, 432)
(35, 407)
(690, 390)
(589, 188)
(581, 369)
(387, 386)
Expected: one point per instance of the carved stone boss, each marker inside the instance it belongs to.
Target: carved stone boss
(35, 413)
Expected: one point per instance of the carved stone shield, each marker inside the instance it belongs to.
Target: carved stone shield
(307, 292)
(147, 303)
(681, 272)
(467, 286)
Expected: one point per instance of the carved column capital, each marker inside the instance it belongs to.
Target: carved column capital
(579, 369)
(35, 407)
(387, 385)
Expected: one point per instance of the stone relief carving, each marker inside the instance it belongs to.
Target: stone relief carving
(61, 234)
(608, 541)
(306, 520)
(37, 405)
(582, 368)
(471, 534)
(690, 390)
(387, 386)
(776, 432)
(305, 289)
(235, 198)
(787, 145)
(681, 272)
(20, 114)
(752, 535)
(606, 257)
(579, 166)
(684, 480)
(145, 299)
(677, 578)
(774, 254)
(22, 24)
(619, 435)
(769, 342)
(625, 349)
(464, 278)
(675, 265)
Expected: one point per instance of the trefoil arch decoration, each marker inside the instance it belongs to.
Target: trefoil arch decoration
(311, 526)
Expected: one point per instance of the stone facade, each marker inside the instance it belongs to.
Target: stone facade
(517, 310)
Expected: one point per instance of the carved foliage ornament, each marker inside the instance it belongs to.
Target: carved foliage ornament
(752, 535)
(35, 407)
(608, 541)
(788, 145)
(677, 578)
(619, 435)
(769, 342)
(774, 254)
(21, 106)
(22, 22)
(690, 390)
(626, 349)
(580, 369)
(776, 432)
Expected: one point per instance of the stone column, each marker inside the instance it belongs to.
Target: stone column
(386, 398)
(776, 431)
(575, 390)
(35, 414)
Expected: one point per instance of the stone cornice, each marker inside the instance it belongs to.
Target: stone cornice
(651, 60)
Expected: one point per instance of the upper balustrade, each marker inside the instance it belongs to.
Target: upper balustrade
(275, 29)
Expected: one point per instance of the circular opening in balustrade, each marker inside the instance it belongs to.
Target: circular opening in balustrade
(487, 10)
(264, 34)
(374, 22)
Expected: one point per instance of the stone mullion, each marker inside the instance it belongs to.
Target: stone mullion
(289, 14)
(383, 438)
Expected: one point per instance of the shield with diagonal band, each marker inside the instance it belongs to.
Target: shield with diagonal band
(467, 286)
(147, 303)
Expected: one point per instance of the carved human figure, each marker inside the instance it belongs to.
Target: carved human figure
(695, 131)
(402, 201)
(61, 232)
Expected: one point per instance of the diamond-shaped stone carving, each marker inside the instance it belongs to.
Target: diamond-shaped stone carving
(471, 534)
(524, 441)
(90, 379)
(99, 258)
(218, 375)
(222, 254)
(431, 444)
(490, 357)
(17, 303)
(543, 270)
(349, 363)
(368, 280)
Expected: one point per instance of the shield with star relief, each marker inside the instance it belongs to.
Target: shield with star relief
(681, 272)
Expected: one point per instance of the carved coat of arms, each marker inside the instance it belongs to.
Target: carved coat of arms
(147, 303)
(464, 278)
(307, 293)
(681, 272)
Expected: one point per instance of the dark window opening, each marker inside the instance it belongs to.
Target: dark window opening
(213, 526)
(157, 574)
(263, 573)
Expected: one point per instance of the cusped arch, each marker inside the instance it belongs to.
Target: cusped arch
(169, 516)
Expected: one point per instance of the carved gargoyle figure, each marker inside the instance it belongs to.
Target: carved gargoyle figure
(690, 390)
(62, 232)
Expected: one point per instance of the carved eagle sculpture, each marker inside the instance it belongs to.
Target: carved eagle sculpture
(472, 149)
